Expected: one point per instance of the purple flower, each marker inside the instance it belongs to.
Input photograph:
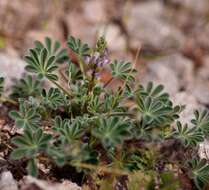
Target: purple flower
(98, 59)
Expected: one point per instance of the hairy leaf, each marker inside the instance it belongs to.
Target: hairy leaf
(69, 131)
(112, 131)
(27, 86)
(53, 48)
(201, 121)
(30, 143)
(41, 63)
(53, 98)
(122, 70)
(188, 136)
(78, 47)
(26, 117)
(199, 172)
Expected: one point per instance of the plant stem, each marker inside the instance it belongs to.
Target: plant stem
(108, 82)
(3, 99)
(81, 65)
(63, 89)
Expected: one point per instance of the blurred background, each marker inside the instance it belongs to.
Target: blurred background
(172, 35)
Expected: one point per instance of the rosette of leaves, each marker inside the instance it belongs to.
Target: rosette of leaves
(92, 124)
(29, 146)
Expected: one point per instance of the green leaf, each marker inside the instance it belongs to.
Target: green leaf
(199, 172)
(26, 117)
(201, 121)
(32, 168)
(122, 70)
(73, 73)
(42, 63)
(27, 86)
(30, 143)
(78, 47)
(155, 92)
(1, 85)
(112, 131)
(69, 131)
(189, 136)
(18, 153)
(57, 153)
(54, 49)
(154, 112)
(94, 105)
(53, 98)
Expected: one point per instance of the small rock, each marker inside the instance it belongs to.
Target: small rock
(146, 23)
(184, 98)
(36, 184)
(200, 89)
(7, 181)
(77, 24)
(160, 74)
(204, 150)
(175, 72)
(200, 6)
(203, 71)
(11, 68)
(34, 35)
(94, 11)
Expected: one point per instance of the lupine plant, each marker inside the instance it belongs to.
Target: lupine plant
(71, 118)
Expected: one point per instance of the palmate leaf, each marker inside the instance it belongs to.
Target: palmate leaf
(69, 131)
(154, 112)
(188, 136)
(122, 70)
(53, 98)
(30, 143)
(201, 121)
(199, 172)
(78, 47)
(58, 154)
(156, 92)
(26, 117)
(53, 48)
(27, 86)
(1, 85)
(112, 131)
(41, 63)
